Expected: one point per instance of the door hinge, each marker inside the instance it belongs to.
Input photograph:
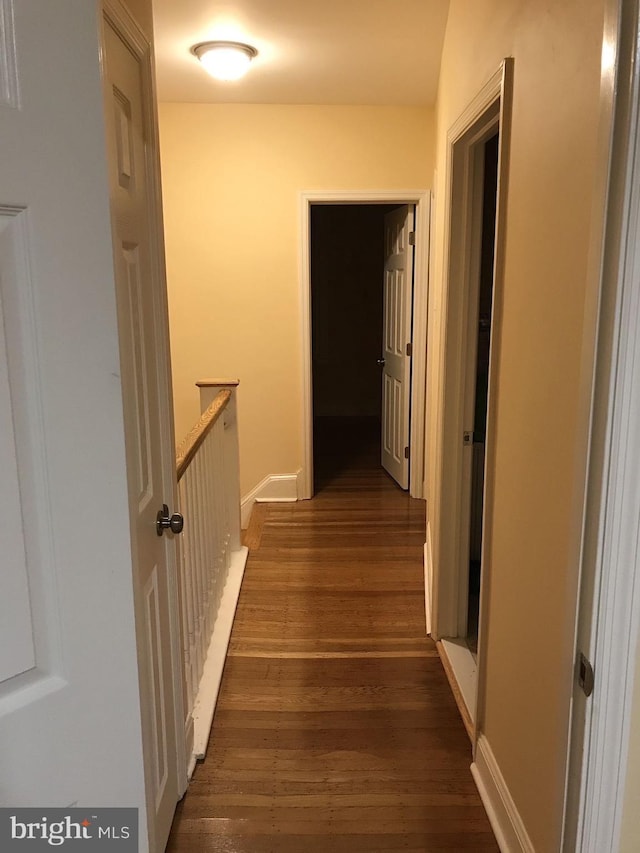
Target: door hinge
(585, 674)
(409, 349)
(406, 453)
(412, 238)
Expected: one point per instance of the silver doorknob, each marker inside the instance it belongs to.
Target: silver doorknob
(164, 521)
(381, 362)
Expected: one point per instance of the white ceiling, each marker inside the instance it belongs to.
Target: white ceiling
(310, 51)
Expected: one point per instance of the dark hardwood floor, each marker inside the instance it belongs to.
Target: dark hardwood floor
(336, 730)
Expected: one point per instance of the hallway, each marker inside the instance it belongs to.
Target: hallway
(335, 728)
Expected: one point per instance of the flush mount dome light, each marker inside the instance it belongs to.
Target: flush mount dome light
(225, 60)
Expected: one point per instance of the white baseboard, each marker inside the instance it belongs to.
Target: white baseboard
(428, 579)
(504, 817)
(273, 489)
(207, 697)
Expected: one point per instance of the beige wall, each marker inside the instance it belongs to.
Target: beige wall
(231, 181)
(142, 12)
(529, 636)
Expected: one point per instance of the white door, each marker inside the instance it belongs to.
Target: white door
(70, 715)
(396, 337)
(141, 297)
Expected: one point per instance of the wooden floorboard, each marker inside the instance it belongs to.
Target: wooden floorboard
(336, 730)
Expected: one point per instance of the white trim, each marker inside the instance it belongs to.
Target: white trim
(125, 25)
(507, 825)
(616, 604)
(421, 271)
(428, 579)
(491, 105)
(594, 384)
(422, 200)
(306, 425)
(276, 488)
(470, 128)
(484, 99)
(431, 273)
(464, 668)
(209, 687)
(609, 610)
(506, 108)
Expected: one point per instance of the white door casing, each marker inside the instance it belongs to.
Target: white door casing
(69, 696)
(607, 536)
(396, 341)
(448, 509)
(421, 200)
(141, 298)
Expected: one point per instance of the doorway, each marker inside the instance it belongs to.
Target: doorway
(460, 511)
(479, 373)
(421, 200)
(355, 319)
(481, 167)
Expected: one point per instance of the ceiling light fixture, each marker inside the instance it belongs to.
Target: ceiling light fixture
(225, 60)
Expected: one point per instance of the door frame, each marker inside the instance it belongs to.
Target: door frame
(121, 19)
(422, 201)
(489, 111)
(608, 623)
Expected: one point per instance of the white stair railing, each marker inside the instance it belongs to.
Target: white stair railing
(211, 557)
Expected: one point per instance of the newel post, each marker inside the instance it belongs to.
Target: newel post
(209, 389)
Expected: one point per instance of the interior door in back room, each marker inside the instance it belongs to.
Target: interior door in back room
(396, 354)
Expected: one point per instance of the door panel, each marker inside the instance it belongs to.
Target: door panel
(396, 377)
(17, 651)
(69, 693)
(30, 619)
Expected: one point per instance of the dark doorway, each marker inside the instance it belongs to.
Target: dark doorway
(490, 187)
(347, 262)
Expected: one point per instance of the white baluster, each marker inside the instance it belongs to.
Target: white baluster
(209, 493)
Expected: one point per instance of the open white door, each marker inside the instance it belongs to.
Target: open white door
(142, 312)
(396, 337)
(69, 696)
(85, 648)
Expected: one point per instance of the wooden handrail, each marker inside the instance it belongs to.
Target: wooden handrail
(218, 383)
(197, 435)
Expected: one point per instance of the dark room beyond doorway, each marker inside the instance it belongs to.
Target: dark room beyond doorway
(347, 263)
(483, 348)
